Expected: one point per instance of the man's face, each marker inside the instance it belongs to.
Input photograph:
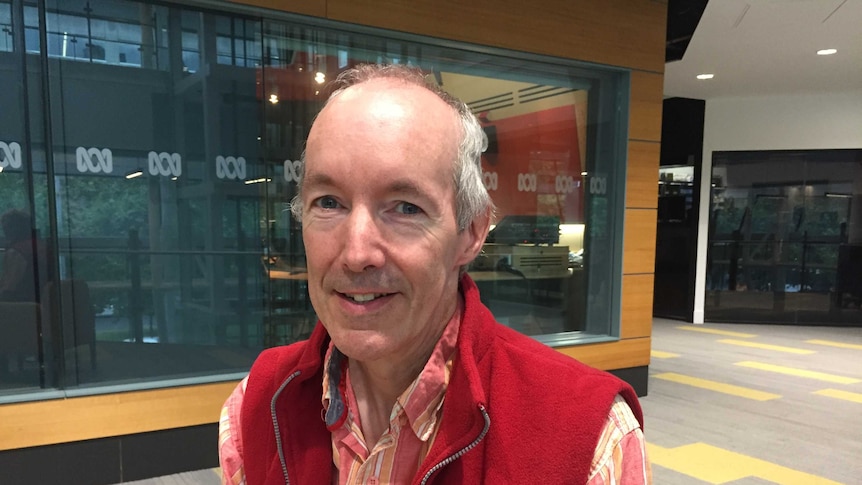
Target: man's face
(379, 224)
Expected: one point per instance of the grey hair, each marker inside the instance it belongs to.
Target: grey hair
(471, 196)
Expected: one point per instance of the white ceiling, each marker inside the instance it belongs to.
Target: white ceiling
(762, 47)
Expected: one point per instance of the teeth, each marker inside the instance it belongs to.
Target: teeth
(365, 298)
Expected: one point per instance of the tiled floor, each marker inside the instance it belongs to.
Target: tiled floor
(760, 404)
(741, 405)
(200, 477)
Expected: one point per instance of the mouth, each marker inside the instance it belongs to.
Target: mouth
(363, 297)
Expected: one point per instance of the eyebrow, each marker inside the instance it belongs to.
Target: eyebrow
(398, 186)
(314, 179)
(406, 187)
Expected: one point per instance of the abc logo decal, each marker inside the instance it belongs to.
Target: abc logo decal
(165, 164)
(291, 170)
(598, 185)
(490, 180)
(231, 168)
(527, 182)
(10, 155)
(565, 184)
(93, 160)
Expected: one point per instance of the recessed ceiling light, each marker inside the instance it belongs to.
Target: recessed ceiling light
(826, 52)
(705, 76)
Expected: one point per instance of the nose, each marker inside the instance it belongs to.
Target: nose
(363, 243)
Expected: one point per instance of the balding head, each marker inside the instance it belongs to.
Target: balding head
(467, 137)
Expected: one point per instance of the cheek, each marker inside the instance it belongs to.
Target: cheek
(319, 252)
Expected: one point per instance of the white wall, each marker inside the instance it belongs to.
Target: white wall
(781, 122)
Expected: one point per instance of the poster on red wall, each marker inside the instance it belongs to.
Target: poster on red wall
(533, 163)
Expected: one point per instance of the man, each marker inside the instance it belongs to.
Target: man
(407, 378)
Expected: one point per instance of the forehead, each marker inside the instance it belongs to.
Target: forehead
(384, 126)
(385, 107)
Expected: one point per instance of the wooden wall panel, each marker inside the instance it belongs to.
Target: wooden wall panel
(636, 314)
(616, 32)
(633, 352)
(647, 93)
(82, 418)
(642, 175)
(639, 241)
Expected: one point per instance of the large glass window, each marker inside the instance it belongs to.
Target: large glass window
(785, 236)
(149, 236)
(554, 167)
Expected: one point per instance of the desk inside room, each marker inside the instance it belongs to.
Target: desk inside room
(534, 304)
(531, 288)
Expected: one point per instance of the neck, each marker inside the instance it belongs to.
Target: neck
(378, 384)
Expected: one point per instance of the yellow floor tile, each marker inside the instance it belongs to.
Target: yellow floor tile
(839, 394)
(792, 371)
(835, 344)
(715, 331)
(721, 387)
(716, 465)
(758, 345)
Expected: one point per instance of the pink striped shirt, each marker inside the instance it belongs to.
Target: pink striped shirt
(396, 456)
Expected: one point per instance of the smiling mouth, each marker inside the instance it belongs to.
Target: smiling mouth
(364, 297)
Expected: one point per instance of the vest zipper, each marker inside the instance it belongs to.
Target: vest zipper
(464, 450)
(275, 425)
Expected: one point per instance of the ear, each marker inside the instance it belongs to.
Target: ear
(473, 238)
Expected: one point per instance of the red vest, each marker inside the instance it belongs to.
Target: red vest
(515, 411)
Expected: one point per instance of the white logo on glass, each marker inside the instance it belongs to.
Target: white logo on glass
(11, 153)
(94, 160)
(565, 184)
(165, 164)
(527, 182)
(231, 168)
(291, 170)
(490, 180)
(598, 185)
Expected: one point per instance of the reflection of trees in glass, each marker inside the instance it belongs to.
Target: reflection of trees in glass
(765, 214)
(14, 191)
(728, 215)
(241, 215)
(823, 219)
(104, 207)
(824, 215)
(598, 219)
(13, 195)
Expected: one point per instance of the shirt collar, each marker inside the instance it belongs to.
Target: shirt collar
(419, 402)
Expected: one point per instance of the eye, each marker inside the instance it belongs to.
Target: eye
(407, 208)
(326, 202)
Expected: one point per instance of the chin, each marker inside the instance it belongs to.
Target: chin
(362, 345)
